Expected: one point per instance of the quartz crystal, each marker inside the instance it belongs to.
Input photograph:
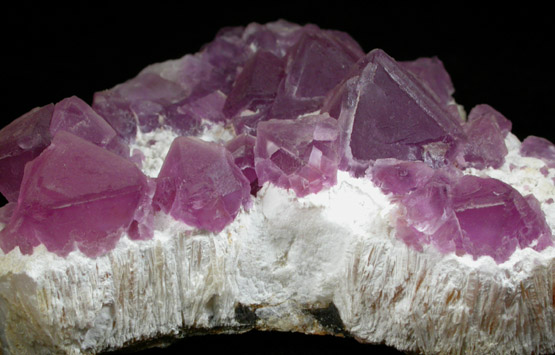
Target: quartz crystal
(200, 184)
(300, 154)
(20, 142)
(77, 195)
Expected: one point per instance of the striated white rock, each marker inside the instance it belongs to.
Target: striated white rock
(327, 263)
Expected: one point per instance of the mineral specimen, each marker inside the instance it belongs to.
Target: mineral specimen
(294, 184)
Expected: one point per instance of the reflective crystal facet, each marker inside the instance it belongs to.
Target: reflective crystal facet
(384, 112)
(462, 214)
(20, 142)
(299, 154)
(540, 148)
(200, 184)
(78, 195)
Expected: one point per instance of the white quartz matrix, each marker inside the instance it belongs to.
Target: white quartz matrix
(277, 267)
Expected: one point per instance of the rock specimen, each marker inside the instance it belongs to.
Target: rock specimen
(279, 179)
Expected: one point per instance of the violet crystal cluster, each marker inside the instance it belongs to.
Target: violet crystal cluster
(303, 102)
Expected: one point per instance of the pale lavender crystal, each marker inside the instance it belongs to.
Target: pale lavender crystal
(242, 149)
(540, 148)
(486, 144)
(462, 214)
(20, 142)
(76, 116)
(299, 154)
(78, 195)
(483, 110)
(384, 112)
(200, 184)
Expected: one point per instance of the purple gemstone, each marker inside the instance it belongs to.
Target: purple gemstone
(486, 143)
(200, 184)
(242, 149)
(20, 142)
(77, 195)
(432, 74)
(483, 110)
(462, 214)
(300, 154)
(256, 86)
(140, 101)
(511, 219)
(540, 148)
(75, 116)
(315, 65)
(384, 112)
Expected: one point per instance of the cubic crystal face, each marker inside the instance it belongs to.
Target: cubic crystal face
(200, 184)
(300, 154)
(77, 195)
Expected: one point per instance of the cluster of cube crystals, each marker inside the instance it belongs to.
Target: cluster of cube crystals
(303, 102)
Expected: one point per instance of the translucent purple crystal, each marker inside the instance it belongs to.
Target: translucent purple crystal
(486, 145)
(242, 150)
(76, 116)
(384, 112)
(462, 214)
(20, 142)
(541, 148)
(200, 184)
(299, 154)
(483, 110)
(77, 195)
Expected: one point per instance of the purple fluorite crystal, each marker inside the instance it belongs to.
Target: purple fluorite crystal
(304, 102)
(384, 112)
(77, 117)
(486, 144)
(77, 195)
(20, 142)
(540, 148)
(300, 154)
(242, 149)
(464, 214)
(200, 184)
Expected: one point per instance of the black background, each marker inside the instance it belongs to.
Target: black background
(500, 56)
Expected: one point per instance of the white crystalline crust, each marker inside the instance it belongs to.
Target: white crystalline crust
(279, 259)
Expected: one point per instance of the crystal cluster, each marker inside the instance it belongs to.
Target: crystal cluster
(461, 213)
(303, 102)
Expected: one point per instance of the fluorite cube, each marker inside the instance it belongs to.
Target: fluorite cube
(76, 195)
